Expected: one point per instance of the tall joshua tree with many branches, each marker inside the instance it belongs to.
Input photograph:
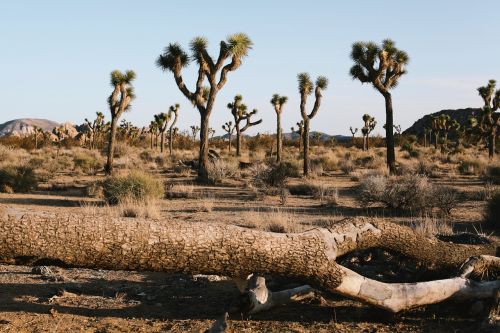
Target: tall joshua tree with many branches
(174, 59)
(240, 113)
(173, 112)
(382, 66)
(306, 87)
(119, 102)
(277, 102)
(489, 121)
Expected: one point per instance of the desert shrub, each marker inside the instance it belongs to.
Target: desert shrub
(179, 191)
(218, 170)
(17, 178)
(161, 160)
(275, 175)
(408, 192)
(137, 185)
(492, 214)
(147, 155)
(87, 162)
(346, 167)
(471, 167)
(492, 174)
(425, 168)
(328, 163)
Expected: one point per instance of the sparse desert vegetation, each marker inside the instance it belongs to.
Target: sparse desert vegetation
(153, 222)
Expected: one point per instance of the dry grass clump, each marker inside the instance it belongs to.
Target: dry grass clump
(219, 169)
(430, 227)
(127, 208)
(492, 174)
(179, 191)
(89, 162)
(472, 166)
(137, 186)
(205, 204)
(409, 192)
(273, 221)
(318, 190)
(17, 178)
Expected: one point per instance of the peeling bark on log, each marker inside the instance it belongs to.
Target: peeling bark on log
(205, 248)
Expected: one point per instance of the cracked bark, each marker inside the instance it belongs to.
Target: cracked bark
(206, 248)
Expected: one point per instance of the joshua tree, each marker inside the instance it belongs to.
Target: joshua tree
(119, 102)
(229, 128)
(37, 131)
(489, 120)
(317, 137)
(353, 131)
(278, 101)
(60, 132)
(369, 126)
(211, 133)
(194, 132)
(398, 130)
(96, 127)
(162, 120)
(306, 87)
(174, 58)
(435, 128)
(427, 131)
(153, 132)
(382, 66)
(300, 132)
(174, 111)
(239, 112)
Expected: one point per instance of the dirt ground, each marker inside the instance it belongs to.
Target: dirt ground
(84, 300)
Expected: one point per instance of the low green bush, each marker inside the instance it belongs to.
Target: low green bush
(139, 186)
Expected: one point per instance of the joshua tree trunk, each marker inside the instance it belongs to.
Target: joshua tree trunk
(162, 141)
(491, 145)
(151, 141)
(170, 141)
(203, 159)
(365, 146)
(389, 134)
(238, 141)
(305, 144)
(108, 169)
(229, 143)
(279, 138)
(169, 246)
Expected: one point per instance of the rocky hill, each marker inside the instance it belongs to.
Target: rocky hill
(22, 127)
(460, 115)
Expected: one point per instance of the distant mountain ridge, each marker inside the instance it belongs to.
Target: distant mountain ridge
(460, 115)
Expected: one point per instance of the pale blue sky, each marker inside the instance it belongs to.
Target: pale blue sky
(57, 55)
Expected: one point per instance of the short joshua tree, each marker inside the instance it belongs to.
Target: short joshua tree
(353, 132)
(382, 66)
(119, 102)
(229, 128)
(306, 88)
(277, 102)
(173, 112)
(368, 127)
(162, 120)
(194, 132)
(95, 128)
(240, 113)
(299, 131)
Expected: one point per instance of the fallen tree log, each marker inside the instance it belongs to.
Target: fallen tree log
(199, 248)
